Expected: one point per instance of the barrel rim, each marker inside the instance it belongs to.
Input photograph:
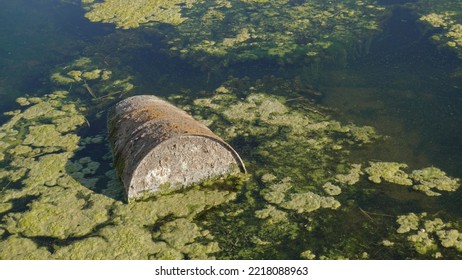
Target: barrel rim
(236, 156)
(218, 139)
(221, 141)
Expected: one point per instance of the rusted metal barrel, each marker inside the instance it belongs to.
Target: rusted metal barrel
(157, 145)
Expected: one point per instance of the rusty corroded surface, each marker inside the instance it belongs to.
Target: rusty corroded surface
(156, 144)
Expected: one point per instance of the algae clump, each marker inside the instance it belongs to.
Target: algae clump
(284, 31)
(389, 172)
(18, 248)
(352, 177)
(301, 202)
(428, 235)
(331, 189)
(52, 216)
(431, 179)
(138, 12)
(450, 238)
(92, 79)
(407, 223)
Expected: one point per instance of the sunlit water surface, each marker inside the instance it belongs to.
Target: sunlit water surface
(402, 85)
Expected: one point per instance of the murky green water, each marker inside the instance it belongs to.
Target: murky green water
(347, 115)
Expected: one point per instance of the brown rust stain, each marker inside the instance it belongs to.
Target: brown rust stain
(181, 123)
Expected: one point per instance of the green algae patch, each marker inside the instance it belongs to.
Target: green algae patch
(389, 172)
(47, 136)
(352, 177)
(445, 18)
(138, 12)
(272, 215)
(61, 206)
(301, 202)
(308, 202)
(430, 237)
(431, 180)
(60, 214)
(450, 239)
(422, 242)
(162, 227)
(46, 170)
(18, 248)
(331, 189)
(308, 255)
(116, 242)
(38, 148)
(4, 207)
(92, 79)
(181, 204)
(181, 235)
(284, 31)
(407, 223)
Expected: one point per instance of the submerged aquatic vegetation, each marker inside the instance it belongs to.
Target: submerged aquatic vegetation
(238, 30)
(445, 17)
(138, 12)
(307, 190)
(430, 180)
(313, 140)
(431, 237)
(60, 197)
(286, 31)
(295, 192)
(91, 78)
(65, 205)
(389, 172)
(56, 203)
(161, 227)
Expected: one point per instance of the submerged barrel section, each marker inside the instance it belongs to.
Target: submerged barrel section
(157, 145)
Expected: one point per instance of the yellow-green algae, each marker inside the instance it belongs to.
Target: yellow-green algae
(331, 189)
(283, 30)
(16, 247)
(137, 12)
(272, 214)
(92, 79)
(297, 190)
(279, 130)
(292, 188)
(445, 17)
(389, 172)
(429, 180)
(133, 233)
(302, 202)
(429, 236)
(286, 194)
(61, 216)
(134, 226)
(352, 177)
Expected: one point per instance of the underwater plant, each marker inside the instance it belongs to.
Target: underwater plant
(229, 31)
(445, 19)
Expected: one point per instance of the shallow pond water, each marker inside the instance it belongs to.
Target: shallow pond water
(347, 115)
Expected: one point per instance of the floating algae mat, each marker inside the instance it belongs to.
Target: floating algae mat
(259, 75)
